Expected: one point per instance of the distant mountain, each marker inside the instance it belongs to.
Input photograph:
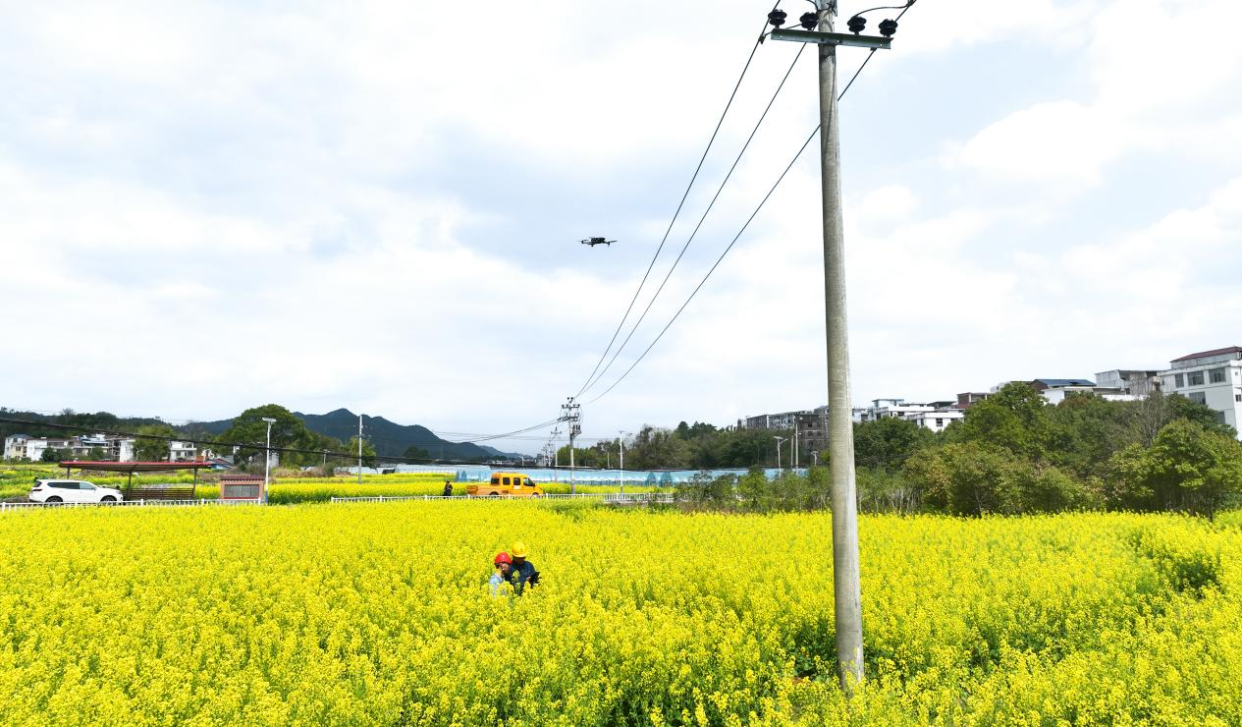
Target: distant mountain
(389, 438)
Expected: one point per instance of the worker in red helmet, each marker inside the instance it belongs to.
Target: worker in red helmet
(504, 566)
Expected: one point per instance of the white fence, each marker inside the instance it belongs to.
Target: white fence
(610, 498)
(17, 506)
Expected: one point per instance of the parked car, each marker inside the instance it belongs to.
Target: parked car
(72, 491)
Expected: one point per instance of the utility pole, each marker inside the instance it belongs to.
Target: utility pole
(621, 443)
(778, 449)
(795, 442)
(359, 450)
(572, 416)
(847, 591)
(847, 586)
(267, 458)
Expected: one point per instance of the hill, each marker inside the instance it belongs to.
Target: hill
(389, 438)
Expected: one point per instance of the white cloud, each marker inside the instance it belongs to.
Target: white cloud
(1160, 85)
(210, 206)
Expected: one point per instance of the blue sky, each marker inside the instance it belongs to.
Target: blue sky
(209, 206)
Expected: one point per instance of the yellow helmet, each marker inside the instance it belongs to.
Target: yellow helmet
(518, 550)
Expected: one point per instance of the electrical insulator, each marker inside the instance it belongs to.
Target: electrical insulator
(857, 23)
(888, 27)
(776, 18)
(809, 21)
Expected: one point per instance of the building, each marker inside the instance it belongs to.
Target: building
(1213, 378)
(1056, 394)
(809, 428)
(107, 447)
(182, 451)
(970, 398)
(784, 420)
(935, 416)
(1138, 383)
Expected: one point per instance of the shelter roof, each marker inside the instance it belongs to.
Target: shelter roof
(133, 466)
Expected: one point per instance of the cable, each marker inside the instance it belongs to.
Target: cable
(241, 445)
(695, 232)
(713, 268)
(906, 9)
(680, 204)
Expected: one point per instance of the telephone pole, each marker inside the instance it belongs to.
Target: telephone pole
(359, 449)
(572, 415)
(847, 586)
(847, 590)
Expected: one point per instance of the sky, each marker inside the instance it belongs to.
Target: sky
(209, 206)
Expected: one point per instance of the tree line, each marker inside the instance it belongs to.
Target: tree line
(1012, 454)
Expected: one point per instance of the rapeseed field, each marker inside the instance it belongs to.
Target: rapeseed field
(380, 614)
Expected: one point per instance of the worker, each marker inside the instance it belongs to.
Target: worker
(504, 571)
(522, 572)
(448, 488)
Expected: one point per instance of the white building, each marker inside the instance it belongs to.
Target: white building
(1213, 378)
(182, 451)
(1140, 383)
(935, 416)
(15, 446)
(24, 446)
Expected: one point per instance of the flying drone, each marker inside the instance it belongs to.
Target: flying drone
(593, 241)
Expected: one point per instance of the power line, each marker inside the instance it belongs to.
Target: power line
(680, 204)
(240, 445)
(713, 268)
(906, 9)
(695, 232)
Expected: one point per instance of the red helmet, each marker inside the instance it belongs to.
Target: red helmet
(502, 557)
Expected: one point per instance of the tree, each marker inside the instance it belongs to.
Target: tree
(154, 447)
(887, 443)
(1188, 467)
(658, 449)
(1015, 418)
(54, 455)
(415, 452)
(369, 458)
(250, 431)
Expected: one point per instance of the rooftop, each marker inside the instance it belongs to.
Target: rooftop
(1065, 382)
(1209, 354)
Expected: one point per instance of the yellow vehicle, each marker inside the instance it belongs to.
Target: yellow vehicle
(511, 484)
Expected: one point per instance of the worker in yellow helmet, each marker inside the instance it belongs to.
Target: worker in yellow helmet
(522, 572)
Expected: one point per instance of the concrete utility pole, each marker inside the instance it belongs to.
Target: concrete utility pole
(359, 449)
(847, 587)
(572, 416)
(778, 449)
(795, 442)
(267, 457)
(847, 591)
(621, 443)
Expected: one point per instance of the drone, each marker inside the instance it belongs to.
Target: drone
(593, 241)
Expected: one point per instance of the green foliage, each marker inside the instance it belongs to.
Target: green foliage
(55, 455)
(887, 443)
(653, 449)
(416, 452)
(150, 449)
(1188, 468)
(754, 492)
(369, 458)
(288, 431)
(971, 478)
(881, 490)
(1015, 419)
